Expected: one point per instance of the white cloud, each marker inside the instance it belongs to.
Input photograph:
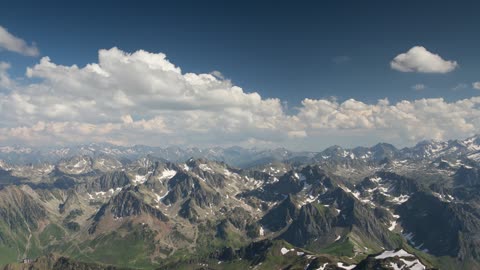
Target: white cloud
(403, 122)
(460, 86)
(12, 43)
(142, 91)
(419, 87)
(419, 59)
(5, 81)
(142, 98)
(476, 85)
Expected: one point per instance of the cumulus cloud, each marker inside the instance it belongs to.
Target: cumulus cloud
(12, 43)
(476, 85)
(402, 122)
(419, 87)
(419, 59)
(140, 92)
(143, 98)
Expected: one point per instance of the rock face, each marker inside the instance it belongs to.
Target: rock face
(188, 211)
(19, 211)
(318, 223)
(467, 176)
(187, 186)
(125, 204)
(440, 227)
(313, 221)
(110, 180)
(281, 215)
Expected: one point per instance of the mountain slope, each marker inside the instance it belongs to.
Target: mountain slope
(336, 209)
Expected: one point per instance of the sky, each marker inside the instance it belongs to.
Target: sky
(303, 75)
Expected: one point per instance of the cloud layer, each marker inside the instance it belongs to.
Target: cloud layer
(12, 43)
(143, 98)
(419, 59)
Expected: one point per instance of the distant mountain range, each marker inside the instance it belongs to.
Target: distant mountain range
(107, 207)
(243, 157)
(237, 156)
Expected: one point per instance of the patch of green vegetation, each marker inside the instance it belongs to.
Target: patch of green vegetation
(397, 238)
(178, 236)
(178, 257)
(15, 238)
(7, 255)
(208, 263)
(131, 250)
(319, 207)
(339, 248)
(52, 232)
(16, 243)
(210, 239)
(5, 238)
(274, 259)
(253, 230)
(34, 249)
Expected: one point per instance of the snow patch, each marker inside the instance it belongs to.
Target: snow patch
(160, 197)
(323, 266)
(414, 265)
(347, 267)
(401, 199)
(393, 253)
(285, 251)
(140, 179)
(167, 174)
(205, 168)
(392, 225)
(261, 231)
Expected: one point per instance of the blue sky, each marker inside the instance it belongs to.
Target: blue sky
(321, 50)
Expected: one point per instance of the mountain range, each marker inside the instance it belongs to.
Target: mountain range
(100, 206)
